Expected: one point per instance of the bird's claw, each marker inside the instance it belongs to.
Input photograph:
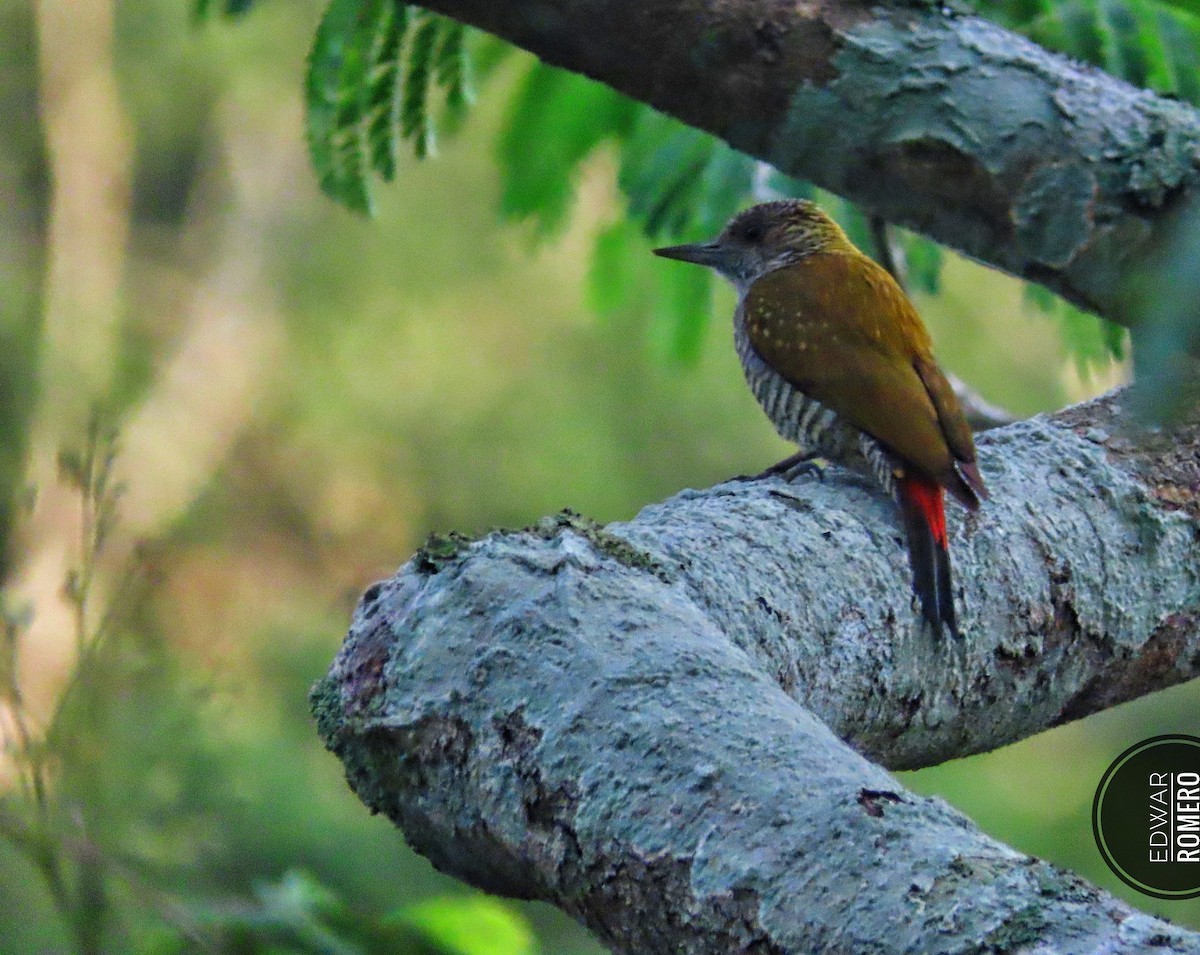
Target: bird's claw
(811, 466)
(791, 468)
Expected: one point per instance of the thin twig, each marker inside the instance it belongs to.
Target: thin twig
(885, 254)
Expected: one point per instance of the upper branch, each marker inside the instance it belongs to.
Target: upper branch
(1078, 585)
(928, 117)
(634, 722)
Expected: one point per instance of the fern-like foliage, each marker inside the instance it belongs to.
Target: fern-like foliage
(376, 65)
(371, 73)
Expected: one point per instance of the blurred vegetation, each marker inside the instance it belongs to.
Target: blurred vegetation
(291, 397)
(375, 65)
(1150, 43)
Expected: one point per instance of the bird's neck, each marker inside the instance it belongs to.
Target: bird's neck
(796, 252)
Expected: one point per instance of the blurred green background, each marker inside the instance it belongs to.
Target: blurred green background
(302, 396)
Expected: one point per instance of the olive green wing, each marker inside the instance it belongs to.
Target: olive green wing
(950, 417)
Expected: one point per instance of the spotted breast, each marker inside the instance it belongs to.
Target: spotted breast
(814, 428)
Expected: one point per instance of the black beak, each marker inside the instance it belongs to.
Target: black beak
(701, 253)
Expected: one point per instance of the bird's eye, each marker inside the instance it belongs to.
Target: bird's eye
(752, 233)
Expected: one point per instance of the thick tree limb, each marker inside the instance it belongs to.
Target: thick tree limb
(640, 724)
(930, 118)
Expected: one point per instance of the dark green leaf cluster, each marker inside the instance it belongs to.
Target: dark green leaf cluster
(371, 73)
(1150, 43)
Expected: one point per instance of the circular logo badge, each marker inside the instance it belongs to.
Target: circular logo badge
(1146, 817)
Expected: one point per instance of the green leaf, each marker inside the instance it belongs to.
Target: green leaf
(682, 183)
(1127, 53)
(451, 68)
(470, 925)
(364, 95)
(1181, 39)
(1191, 7)
(338, 69)
(1092, 342)
(682, 311)
(727, 181)
(619, 262)
(556, 120)
(487, 53)
(924, 258)
(415, 122)
(1070, 27)
(662, 164)
(781, 185)
(382, 107)
(1115, 337)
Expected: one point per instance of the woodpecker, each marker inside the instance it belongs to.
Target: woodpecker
(843, 366)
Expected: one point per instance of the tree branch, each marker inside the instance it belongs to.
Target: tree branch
(640, 723)
(980, 413)
(925, 116)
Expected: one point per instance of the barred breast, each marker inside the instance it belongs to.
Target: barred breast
(798, 418)
(815, 429)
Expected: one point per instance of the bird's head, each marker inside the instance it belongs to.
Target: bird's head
(762, 239)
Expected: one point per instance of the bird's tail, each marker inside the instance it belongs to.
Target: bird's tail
(922, 502)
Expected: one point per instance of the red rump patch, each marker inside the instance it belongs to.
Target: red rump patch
(928, 498)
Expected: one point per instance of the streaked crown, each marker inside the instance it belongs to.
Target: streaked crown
(795, 225)
(764, 238)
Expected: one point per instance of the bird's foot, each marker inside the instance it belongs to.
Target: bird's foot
(791, 468)
(814, 466)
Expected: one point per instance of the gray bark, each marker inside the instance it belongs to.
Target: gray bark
(923, 115)
(665, 726)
